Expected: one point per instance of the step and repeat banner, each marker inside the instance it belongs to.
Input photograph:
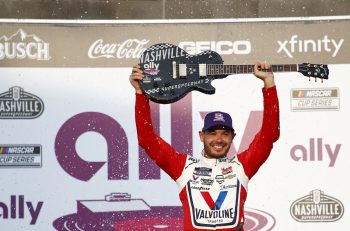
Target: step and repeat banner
(69, 156)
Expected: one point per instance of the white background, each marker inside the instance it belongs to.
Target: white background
(70, 91)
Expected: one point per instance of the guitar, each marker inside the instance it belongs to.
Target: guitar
(170, 72)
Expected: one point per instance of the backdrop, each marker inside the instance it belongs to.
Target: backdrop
(69, 157)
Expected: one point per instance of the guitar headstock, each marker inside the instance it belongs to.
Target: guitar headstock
(314, 70)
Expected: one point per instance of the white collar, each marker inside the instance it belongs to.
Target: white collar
(214, 161)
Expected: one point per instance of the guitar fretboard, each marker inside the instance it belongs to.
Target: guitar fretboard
(220, 69)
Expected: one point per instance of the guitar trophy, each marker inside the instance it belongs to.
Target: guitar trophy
(170, 72)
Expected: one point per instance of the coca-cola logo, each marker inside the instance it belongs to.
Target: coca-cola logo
(131, 48)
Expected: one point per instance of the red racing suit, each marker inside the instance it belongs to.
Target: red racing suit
(212, 191)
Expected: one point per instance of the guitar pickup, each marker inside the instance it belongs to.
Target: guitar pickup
(182, 70)
(202, 70)
(174, 70)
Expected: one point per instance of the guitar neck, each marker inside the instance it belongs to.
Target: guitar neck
(220, 69)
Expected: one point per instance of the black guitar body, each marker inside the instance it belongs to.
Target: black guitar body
(170, 72)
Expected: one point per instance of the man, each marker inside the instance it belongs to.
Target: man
(213, 188)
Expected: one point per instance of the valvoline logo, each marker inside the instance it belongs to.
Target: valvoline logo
(121, 212)
(210, 202)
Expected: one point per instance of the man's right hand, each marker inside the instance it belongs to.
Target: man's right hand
(135, 77)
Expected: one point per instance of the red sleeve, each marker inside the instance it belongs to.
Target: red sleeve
(158, 150)
(259, 150)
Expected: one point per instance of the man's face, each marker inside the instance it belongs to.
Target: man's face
(217, 142)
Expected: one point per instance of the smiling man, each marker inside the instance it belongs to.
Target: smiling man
(213, 188)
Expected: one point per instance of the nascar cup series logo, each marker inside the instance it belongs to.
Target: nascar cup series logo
(315, 99)
(21, 45)
(18, 104)
(20, 155)
(317, 207)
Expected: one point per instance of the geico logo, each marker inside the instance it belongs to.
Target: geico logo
(21, 50)
(240, 47)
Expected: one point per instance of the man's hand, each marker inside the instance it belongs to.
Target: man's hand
(265, 74)
(135, 77)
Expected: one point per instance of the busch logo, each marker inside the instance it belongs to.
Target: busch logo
(302, 46)
(22, 45)
(317, 207)
(131, 48)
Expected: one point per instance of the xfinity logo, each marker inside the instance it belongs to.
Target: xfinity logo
(240, 47)
(21, 45)
(295, 45)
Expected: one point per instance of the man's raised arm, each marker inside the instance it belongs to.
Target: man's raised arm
(158, 150)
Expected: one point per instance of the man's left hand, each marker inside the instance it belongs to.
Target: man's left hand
(262, 70)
